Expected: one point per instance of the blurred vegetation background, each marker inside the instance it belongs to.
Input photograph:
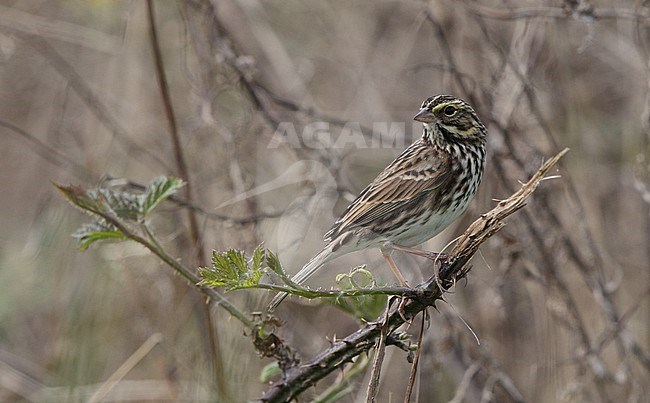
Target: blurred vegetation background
(559, 299)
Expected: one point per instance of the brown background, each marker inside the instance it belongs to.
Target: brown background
(79, 103)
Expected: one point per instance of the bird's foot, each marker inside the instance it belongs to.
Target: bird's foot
(435, 256)
(401, 312)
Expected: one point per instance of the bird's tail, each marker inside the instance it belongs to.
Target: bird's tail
(307, 270)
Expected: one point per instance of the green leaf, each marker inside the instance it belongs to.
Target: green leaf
(100, 201)
(222, 268)
(82, 199)
(157, 191)
(232, 270)
(123, 205)
(258, 258)
(249, 281)
(237, 261)
(274, 264)
(96, 231)
(211, 278)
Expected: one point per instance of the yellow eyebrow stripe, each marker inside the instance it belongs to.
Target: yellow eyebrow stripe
(444, 104)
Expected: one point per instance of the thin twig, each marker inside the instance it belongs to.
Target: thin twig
(416, 360)
(125, 368)
(179, 157)
(48, 153)
(380, 352)
(465, 383)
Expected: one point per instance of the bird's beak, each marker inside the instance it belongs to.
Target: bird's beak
(424, 116)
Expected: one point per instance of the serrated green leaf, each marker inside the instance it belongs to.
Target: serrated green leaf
(250, 280)
(237, 260)
(258, 258)
(81, 198)
(157, 191)
(222, 267)
(98, 201)
(121, 204)
(124, 205)
(96, 231)
(230, 269)
(211, 278)
(274, 264)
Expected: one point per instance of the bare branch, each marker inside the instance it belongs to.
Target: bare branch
(181, 164)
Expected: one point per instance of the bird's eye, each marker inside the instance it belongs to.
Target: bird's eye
(449, 110)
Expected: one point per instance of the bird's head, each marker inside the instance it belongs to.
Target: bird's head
(451, 118)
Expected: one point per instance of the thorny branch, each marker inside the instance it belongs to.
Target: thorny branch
(455, 267)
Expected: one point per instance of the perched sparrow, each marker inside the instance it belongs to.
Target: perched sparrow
(418, 195)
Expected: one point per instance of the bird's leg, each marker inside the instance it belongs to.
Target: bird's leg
(419, 252)
(385, 252)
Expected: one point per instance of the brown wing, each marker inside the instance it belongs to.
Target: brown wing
(417, 171)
